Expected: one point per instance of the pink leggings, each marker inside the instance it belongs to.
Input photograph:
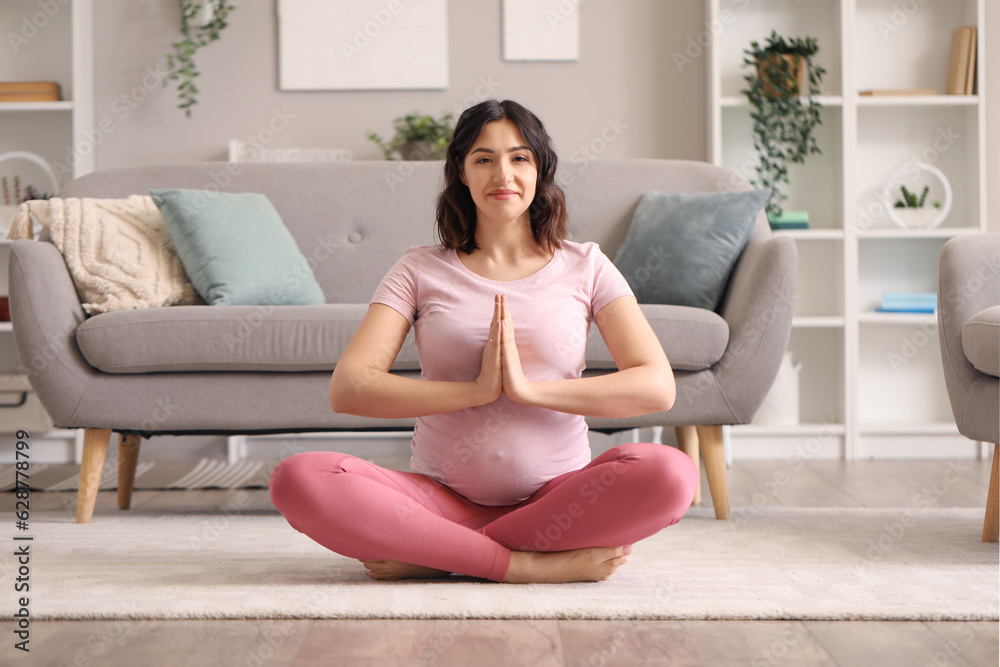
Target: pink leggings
(362, 511)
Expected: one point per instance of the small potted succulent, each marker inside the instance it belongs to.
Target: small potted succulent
(418, 137)
(782, 89)
(910, 208)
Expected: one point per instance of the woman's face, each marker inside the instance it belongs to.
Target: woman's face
(501, 172)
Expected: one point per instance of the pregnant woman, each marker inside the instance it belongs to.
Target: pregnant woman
(502, 484)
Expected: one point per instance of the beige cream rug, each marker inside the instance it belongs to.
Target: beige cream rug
(777, 564)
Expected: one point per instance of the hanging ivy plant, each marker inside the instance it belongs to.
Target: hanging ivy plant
(783, 123)
(198, 30)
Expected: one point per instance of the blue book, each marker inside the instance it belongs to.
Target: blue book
(922, 300)
(925, 310)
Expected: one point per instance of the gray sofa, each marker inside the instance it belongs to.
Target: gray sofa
(969, 334)
(256, 369)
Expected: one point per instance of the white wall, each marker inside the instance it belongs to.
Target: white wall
(625, 74)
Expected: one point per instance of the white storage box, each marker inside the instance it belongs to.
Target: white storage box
(20, 407)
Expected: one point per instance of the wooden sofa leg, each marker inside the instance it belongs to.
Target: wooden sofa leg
(95, 449)
(687, 442)
(128, 457)
(713, 452)
(991, 525)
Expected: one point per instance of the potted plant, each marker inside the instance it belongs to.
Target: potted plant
(418, 137)
(910, 209)
(202, 21)
(783, 71)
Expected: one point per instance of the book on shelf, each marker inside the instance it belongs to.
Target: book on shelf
(962, 61)
(908, 302)
(891, 92)
(970, 74)
(789, 220)
(29, 91)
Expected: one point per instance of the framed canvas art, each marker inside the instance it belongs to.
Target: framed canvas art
(362, 44)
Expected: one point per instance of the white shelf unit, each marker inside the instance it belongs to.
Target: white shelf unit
(871, 381)
(51, 42)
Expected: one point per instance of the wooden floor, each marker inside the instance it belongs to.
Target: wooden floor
(484, 643)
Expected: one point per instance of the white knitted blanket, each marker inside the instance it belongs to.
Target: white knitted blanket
(118, 251)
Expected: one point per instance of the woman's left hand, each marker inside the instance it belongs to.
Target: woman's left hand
(515, 385)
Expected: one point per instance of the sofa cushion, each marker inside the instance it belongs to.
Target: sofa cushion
(312, 338)
(693, 338)
(235, 338)
(236, 249)
(681, 248)
(981, 341)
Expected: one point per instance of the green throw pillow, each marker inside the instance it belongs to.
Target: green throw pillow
(680, 249)
(236, 249)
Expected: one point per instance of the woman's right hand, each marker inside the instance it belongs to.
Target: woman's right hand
(490, 381)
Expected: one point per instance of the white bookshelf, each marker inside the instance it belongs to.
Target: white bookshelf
(871, 383)
(53, 42)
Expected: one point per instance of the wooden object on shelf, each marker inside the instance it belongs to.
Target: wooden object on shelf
(30, 91)
(970, 73)
(782, 74)
(959, 63)
(891, 92)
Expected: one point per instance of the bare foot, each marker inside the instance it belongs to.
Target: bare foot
(559, 567)
(390, 570)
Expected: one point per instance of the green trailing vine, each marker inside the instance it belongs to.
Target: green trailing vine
(195, 36)
(783, 123)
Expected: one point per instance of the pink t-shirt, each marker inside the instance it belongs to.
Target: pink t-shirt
(501, 453)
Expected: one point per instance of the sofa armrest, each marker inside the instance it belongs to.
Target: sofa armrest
(45, 312)
(758, 306)
(968, 283)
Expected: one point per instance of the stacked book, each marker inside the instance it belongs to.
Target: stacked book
(962, 64)
(908, 302)
(789, 220)
(29, 91)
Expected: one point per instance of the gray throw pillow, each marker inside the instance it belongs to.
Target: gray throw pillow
(680, 249)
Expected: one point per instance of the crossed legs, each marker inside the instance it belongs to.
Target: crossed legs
(362, 511)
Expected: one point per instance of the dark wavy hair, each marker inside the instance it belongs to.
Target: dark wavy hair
(456, 211)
